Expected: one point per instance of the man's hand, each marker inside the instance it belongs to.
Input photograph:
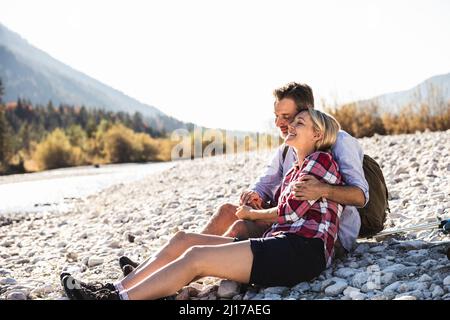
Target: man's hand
(309, 188)
(244, 212)
(252, 199)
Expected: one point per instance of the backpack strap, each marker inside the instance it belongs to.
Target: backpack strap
(285, 151)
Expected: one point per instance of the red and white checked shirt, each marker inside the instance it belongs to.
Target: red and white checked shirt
(310, 219)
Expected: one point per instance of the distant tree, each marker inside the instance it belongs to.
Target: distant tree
(77, 136)
(24, 136)
(138, 122)
(83, 117)
(5, 139)
(2, 90)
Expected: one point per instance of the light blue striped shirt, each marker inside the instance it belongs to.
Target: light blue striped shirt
(349, 155)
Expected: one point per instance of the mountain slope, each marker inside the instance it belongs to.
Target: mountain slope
(434, 92)
(30, 73)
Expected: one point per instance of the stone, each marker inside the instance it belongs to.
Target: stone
(258, 296)
(405, 287)
(94, 261)
(62, 244)
(383, 263)
(316, 286)
(272, 296)
(416, 293)
(377, 249)
(416, 258)
(425, 278)
(71, 256)
(8, 281)
(16, 295)
(193, 290)
(345, 273)
(115, 244)
(302, 287)
(421, 286)
(392, 287)
(183, 294)
(362, 248)
(129, 237)
(42, 290)
(400, 270)
(228, 289)
(276, 290)
(25, 289)
(324, 284)
(428, 263)
(360, 279)
(437, 292)
(400, 297)
(336, 289)
(413, 245)
(249, 295)
(5, 272)
(379, 297)
(446, 281)
(349, 290)
(388, 278)
(206, 291)
(294, 295)
(358, 296)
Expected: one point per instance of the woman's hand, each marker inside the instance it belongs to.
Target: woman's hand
(244, 212)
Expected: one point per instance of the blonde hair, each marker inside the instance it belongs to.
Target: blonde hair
(327, 125)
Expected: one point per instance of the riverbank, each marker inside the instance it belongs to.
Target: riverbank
(138, 217)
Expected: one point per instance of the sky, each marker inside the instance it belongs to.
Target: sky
(216, 63)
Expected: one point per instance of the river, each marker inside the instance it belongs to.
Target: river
(53, 189)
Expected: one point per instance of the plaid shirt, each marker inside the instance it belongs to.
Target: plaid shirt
(310, 219)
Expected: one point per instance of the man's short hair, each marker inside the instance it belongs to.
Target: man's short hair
(301, 93)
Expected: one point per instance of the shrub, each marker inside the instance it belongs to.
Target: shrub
(118, 144)
(366, 121)
(55, 151)
(121, 144)
(146, 148)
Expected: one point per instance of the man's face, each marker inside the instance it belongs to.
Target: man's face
(285, 111)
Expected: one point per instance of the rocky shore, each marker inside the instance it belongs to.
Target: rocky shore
(139, 217)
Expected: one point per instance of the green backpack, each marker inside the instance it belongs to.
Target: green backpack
(373, 215)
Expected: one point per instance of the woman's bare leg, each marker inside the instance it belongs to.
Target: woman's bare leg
(221, 220)
(230, 261)
(181, 242)
(245, 229)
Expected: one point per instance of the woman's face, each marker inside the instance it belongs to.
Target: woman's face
(301, 133)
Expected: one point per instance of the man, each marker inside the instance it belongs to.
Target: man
(289, 100)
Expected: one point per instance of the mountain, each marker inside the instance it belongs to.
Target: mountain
(434, 92)
(28, 72)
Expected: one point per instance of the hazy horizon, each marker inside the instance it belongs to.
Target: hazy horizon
(216, 64)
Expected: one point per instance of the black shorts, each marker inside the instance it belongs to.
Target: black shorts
(286, 260)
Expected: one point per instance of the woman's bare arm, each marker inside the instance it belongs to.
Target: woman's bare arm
(247, 213)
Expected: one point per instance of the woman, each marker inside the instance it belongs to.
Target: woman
(298, 246)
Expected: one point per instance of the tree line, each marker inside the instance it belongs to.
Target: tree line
(37, 137)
